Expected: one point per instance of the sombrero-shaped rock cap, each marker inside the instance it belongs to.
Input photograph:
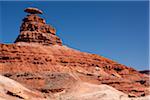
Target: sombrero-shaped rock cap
(33, 10)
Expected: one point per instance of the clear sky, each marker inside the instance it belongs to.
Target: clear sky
(114, 29)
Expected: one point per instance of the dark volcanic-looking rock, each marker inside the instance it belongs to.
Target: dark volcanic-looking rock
(35, 30)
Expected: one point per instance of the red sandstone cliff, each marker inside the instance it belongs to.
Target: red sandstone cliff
(40, 61)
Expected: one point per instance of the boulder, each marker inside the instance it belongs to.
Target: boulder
(33, 10)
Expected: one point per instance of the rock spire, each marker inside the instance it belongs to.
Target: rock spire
(35, 30)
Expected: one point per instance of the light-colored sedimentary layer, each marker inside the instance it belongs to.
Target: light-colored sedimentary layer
(12, 90)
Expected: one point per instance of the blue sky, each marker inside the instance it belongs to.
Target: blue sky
(114, 29)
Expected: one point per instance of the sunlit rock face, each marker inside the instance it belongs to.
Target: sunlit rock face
(40, 62)
(35, 30)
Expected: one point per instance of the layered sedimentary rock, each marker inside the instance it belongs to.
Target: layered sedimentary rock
(36, 65)
(35, 30)
(12, 90)
(39, 61)
(32, 10)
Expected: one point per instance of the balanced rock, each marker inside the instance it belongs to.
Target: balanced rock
(63, 71)
(33, 10)
(35, 30)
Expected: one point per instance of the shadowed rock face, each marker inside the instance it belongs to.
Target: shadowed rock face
(35, 30)
(145, 72)
(39, 61)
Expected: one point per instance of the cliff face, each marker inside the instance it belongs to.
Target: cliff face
(38, 60)
(35, 30)
(34, 65)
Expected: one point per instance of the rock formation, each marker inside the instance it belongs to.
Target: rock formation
(145, 72)
(40, 62)
(12, 90)
(35, 30)
(33, 10)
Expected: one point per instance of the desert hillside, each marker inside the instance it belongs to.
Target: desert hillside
(41, 67)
